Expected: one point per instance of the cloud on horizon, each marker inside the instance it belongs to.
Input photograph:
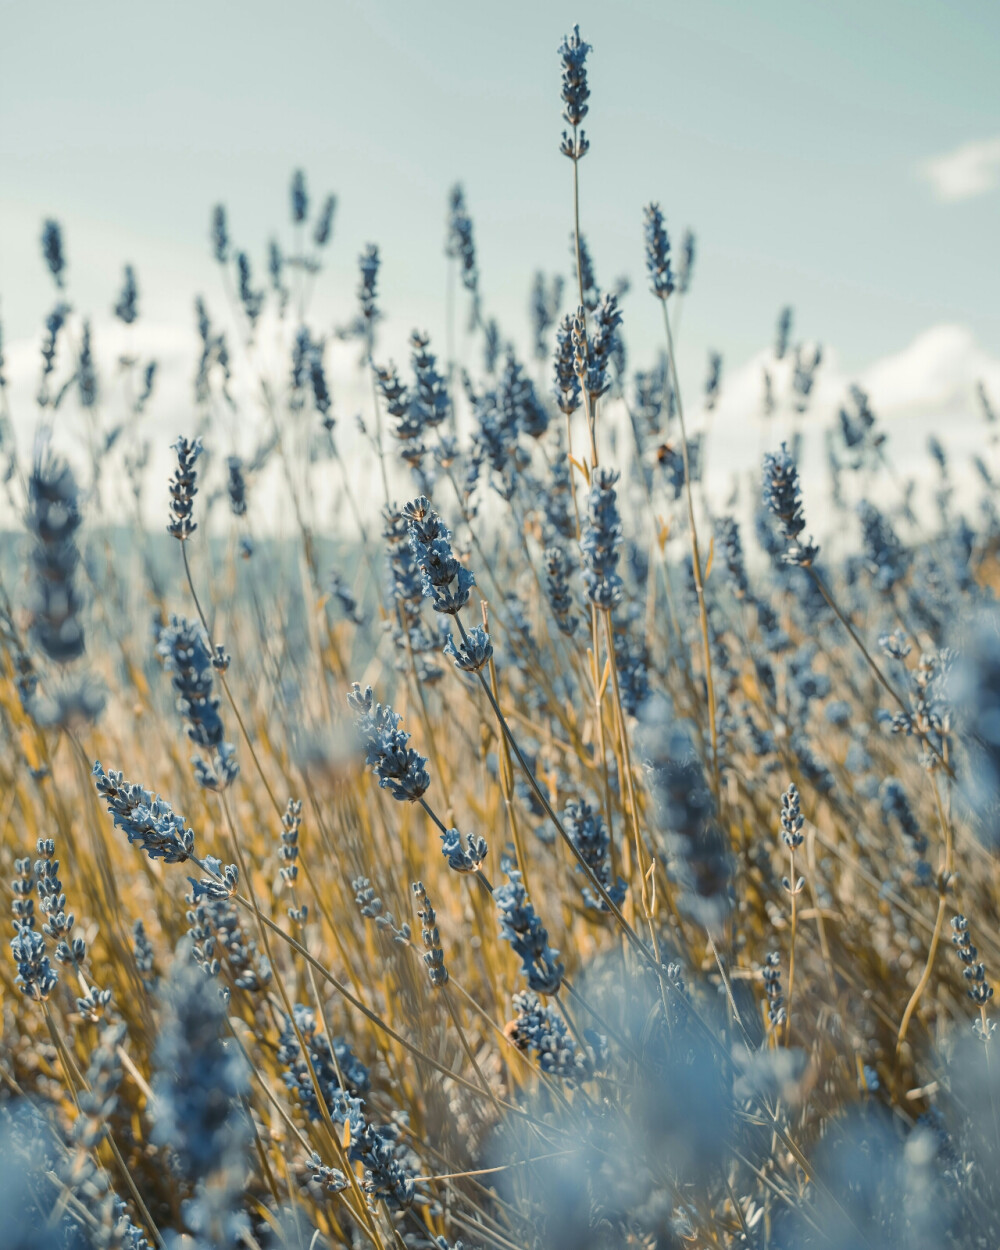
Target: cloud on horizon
(969, 170)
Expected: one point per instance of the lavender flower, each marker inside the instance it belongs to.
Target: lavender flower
(713, 381)
(783, 334)
(446, 582)
(324, 222)
(431, 938)
(463, 855)
(783, 498)
(127, 307)
(369, 263)
(727, 533)
(807, 364)
(886, 556)
(52, 251)
(183, 488)
(299, 198)
(199, 1084)
(540, 1031)
(567, 387)
(792, 819)
(387, 1163)
(340, 591)
(36, 978)
(460, 244)
(430, 400)
(519, 408)
(398, 767)
(544, 308)
(149, 823)
(980, 990)
(558, 569)
(220, 234)
(86, 376)
(322, 400)
(896, 809)
(589, 834)
(521, 926)
(632, 658)
(237, 487)
(592, 355)
(184, 649)
(251, 299)
(53, 519)
(772, 986)
(575, 92)
(472, 654)
(685, 266)
(58, 926)
(686, 823)
(661, 278)
(601, 540)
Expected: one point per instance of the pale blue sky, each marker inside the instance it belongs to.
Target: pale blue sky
(790, 136)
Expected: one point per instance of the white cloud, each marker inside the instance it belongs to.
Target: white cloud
(970, 169)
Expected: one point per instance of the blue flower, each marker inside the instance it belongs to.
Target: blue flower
(782, 497)
(471, 655)
(183, 488)
(601, 540)
(541, 1031)
(398, 767)
(52, 251)
(521, 926)
(463, 858)
(148, 822)
(661, 278)
(589, 834)
(446, 582)
(575, 92)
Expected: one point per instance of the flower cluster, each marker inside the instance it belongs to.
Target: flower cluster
(149, 823)
(431, 938)
(183, 488)
(540, 1031)
(589, 834)
(575, 92)
(53, 518)
(601, 540)
(661, 278)
(783, 498)
(337, 1068)
(592, 354)
(446, 582)
(237, 486)
(185, 652)
(686, 824)
(772, 985)
(567, 383)
(463, 855)
(521, 926)
(461, 246)
(558, 568)
(198, 1087)
(472, 652)
(36, 977)
(398, 767)
(980, 990)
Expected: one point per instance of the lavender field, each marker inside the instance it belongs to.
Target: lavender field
(455, 793)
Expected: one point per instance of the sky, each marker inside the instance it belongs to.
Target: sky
(841, 157)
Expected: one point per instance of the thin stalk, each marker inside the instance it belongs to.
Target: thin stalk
(696, 559)
(793, 890)
(943, 881)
